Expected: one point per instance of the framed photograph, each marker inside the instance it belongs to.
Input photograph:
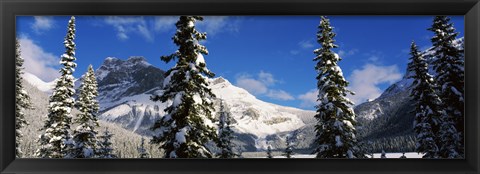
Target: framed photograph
(254, 86)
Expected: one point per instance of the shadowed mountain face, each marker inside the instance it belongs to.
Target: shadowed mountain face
(125, 87)
(118, 78)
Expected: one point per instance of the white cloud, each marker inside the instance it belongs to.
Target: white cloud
(343, 53)
(364, 82)
(42, 23)
(38, 61)
(126, 25)
(165, 23)
(143, 30)
(266, 78)
(309, 99)
(251, 85)
(279, 95)
(305, 44)
(294, 52)
(261, 85)
(146, 27)
(122, 36)
(218, 24)
(375, 56)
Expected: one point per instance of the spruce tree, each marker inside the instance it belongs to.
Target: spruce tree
(225, 134)
(141, 150)
(449, 66)
(22, 100)
(187, 125)
(105, 146)
(289, 149)
(56, 141)
(85, 135)
(335, 132)
(427, 111)
(269, 152)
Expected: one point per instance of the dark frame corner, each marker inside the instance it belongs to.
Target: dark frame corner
(10, 8)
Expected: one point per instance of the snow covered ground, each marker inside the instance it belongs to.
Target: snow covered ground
(398, 155)
(375, 155)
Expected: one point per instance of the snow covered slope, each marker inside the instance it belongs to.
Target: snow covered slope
(39, 83)
(390, 115)
(124, 141)
(397, 92)
(266, 123)
(255, 116)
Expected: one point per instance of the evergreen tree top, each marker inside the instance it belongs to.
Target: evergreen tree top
(416, 60)
(86, 102)
(69, 56)
(419, 68)
(187, 38)
(443, 29)
(330, 77)
(325, 34)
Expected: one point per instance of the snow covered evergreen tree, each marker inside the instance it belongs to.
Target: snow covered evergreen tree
(335, 132)
(449, 66)
(225, 134)
(427, 107)
(289, 149)
(105, 146)
(22, 100)
(85, 135)
(187, 125)
(56, 141)
(269, 152)
(449, 139)
(141, 150)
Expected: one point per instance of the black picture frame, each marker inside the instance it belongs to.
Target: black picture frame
(11, 8)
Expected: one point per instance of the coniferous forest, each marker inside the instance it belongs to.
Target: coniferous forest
(193, 120)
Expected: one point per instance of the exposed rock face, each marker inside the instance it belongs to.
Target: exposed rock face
(118, 78)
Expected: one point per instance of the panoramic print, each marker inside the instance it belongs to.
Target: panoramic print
(240, 87)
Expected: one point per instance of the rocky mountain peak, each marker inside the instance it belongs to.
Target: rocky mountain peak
(220, 81)
(120, 78)
(136, 59)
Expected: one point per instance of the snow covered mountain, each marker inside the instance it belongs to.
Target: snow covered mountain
(39, 83)
(125, 87)
(118, 78)
(396, 92)
(390, 115)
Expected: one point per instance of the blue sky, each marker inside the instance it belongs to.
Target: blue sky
(270, 56)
